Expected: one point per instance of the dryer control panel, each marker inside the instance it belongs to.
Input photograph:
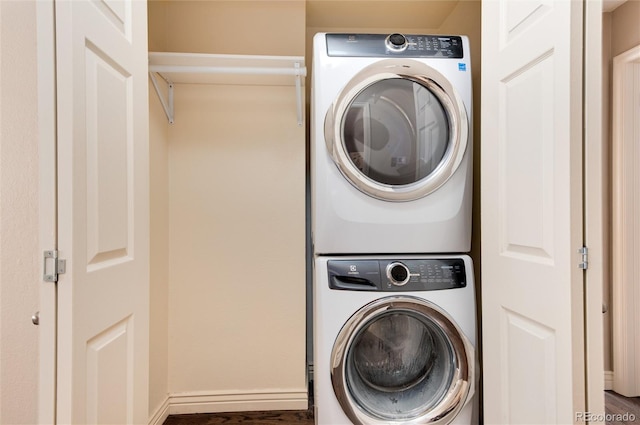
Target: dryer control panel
(395, 45)
(397, 275)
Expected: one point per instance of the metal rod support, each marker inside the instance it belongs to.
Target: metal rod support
(167, 106)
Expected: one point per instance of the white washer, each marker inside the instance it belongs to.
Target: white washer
(391, 144)
(394, 340)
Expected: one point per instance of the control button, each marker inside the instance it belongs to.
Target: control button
(396, 42)
(398, 273)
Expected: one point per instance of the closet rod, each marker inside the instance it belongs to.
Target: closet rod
(298, 71)
(228, 70)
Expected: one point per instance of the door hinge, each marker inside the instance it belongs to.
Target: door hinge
(54, 265)
(584, 253)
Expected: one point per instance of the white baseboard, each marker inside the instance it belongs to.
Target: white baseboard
(608, 380)
(214, 402)
(161, 414)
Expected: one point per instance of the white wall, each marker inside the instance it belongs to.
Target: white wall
(251, 27)
(159, 222)
(233, 206)
(621, 32)
(19, 259)
(625, 28)
(159, 254)
(237, 277)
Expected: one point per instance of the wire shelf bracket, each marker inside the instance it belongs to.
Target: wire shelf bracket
(200, 68)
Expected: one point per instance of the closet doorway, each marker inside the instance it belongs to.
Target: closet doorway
(621, 69)
(625, 289)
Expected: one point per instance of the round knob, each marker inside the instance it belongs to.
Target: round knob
(396, 42)
(398, 273)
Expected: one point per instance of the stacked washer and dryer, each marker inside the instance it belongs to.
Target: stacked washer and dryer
(394, 315)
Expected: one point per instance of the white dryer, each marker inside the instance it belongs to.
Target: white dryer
(394, 340)
(391, 144)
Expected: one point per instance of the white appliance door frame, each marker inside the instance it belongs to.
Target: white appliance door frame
(439, 87)
(461, 386)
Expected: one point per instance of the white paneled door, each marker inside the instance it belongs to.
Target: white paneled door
(103, 211)
(532, 213)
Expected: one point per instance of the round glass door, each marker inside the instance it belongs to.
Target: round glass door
(397, 132)
(402, 359)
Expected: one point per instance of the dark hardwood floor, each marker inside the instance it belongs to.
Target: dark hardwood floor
(304, 417)
(621, 410)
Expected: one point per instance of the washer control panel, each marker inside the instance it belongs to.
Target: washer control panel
(395, 45)
(397, 275)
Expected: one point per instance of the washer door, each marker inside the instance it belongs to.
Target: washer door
(402, 359)
(398, 130)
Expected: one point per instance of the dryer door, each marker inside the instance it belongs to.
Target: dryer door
(398, 130)
(402, 359)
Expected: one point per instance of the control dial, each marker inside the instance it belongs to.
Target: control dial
(398, 273)
(396, 42)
